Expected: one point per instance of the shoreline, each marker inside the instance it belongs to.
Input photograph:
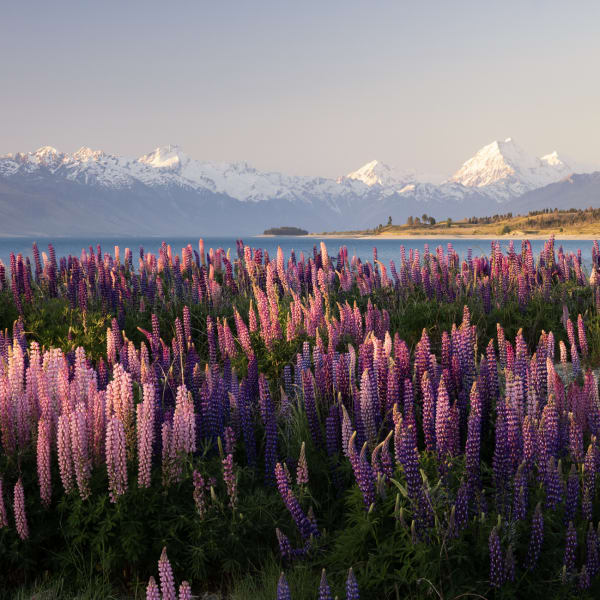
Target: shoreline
(444, 236)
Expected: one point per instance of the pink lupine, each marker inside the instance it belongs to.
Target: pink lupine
(116, 458)
(302, 468)
(3, 517)
(145, 435)
(80, 451)
(167, 583)
(65, 460)
(43, 461)
(19, 509)
(184, 423)
(185, 591)
(152, 591)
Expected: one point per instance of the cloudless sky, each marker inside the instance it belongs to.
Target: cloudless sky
(308, 87)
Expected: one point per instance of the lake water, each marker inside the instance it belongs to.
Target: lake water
(387, 249)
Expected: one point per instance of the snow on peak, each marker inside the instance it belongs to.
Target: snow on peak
(378, 173)
(165, 157)
(505, 169)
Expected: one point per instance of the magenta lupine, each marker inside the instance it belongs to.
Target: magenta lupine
(152, 591)
(43, 462)
(199, 493)
(3, 516)
(230, 479)
(184, 423)
(428, 412)
(167, 583)
(19, 510)
(583, 345)
(352, 592)
(116, 458)
(283, 589)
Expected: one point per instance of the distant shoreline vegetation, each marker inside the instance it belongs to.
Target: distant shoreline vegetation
(285, 231)
(537, 222)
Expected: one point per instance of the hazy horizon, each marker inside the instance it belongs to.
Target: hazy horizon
(311, 89)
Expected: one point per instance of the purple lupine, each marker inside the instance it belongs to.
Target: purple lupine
(570, 548)
(363, 472)
(19, 510)
(509, 565)
(310, 407)
(536, 538)
(306, 528)
(496, 560)
(285, 548)
(283, 589)
(324, 589)
(167, 583)
(592, 562)
(352, 592)
(553, 484)
(572, 498)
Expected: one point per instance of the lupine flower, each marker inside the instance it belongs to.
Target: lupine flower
(3, 518)
(230, 478)
(185, 591)
(167, 583)
(324, 589)
(43, 462)
(352, 586)
(152, 591)
(199, 498)
(537, 537)
(116, 458)
(145, 435)
(592, 562)
(283, 589)
(302, 468)
(496, 560)
(19, 508)
(570, 547)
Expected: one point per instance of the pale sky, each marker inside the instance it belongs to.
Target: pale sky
(310, 87)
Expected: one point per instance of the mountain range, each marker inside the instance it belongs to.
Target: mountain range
(165, 192)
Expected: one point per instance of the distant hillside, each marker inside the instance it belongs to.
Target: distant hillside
(285, 231)
(580, 222)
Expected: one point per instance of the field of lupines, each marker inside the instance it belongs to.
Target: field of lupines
(301, 426)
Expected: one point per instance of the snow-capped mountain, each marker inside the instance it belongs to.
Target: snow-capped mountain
(167, 192)
(503, 170)
(378, 173)
(169, 166)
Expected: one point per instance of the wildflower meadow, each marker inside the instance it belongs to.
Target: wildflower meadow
(203, 420)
